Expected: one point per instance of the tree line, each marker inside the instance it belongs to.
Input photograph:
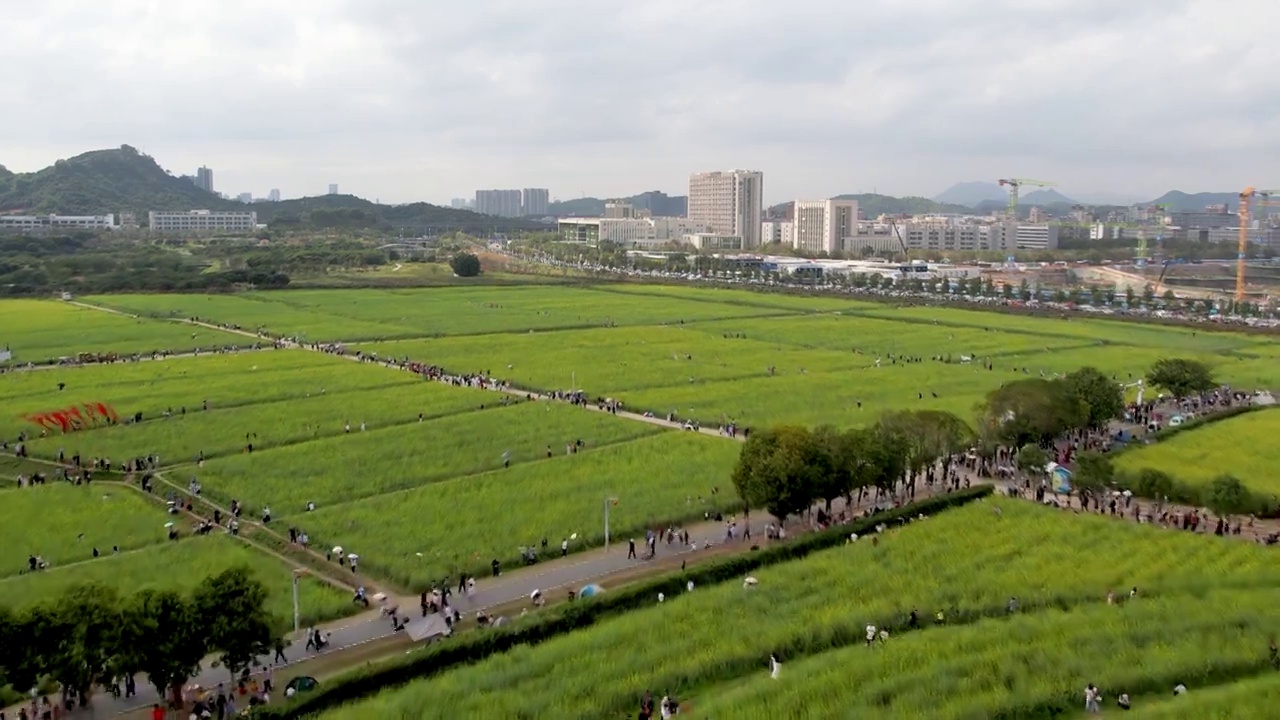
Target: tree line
(92, 634)
(788, 469)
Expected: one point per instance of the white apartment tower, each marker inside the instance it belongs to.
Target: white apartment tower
(822, 225)
(728, 203)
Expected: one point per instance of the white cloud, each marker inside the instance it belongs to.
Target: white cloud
(412, 99)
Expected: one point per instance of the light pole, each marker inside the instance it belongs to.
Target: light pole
(297, 615)
(607, 502)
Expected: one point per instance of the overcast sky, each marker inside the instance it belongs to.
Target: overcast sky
(407, 100)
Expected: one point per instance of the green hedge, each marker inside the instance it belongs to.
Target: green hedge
(1155, 484)
(476, 645)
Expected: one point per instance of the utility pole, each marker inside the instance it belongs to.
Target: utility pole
(297, 615)
(607, 502)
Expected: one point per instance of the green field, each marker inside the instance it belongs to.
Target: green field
(182, 566)
(153, 387)
(1204, 614)
(40, 330)
(351, 315)
(463, 523)
(64, 523)
(348, 467)
(1246, 446)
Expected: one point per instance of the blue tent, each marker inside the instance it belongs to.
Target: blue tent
(1060, 476)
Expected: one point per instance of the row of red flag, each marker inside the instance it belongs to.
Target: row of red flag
(76, 417)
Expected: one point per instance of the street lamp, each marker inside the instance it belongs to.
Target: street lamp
(609, 501)
(297, 615)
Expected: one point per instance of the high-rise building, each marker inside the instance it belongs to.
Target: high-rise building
(333, 188)
(728, 203)
(503, 203)
(822, 225)
(458, 203)
(274, 195)
(618, 209)
(245, 198)
(204, 179)
(534, 201)
(781, 232)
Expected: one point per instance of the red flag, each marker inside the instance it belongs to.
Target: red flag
(62, 420)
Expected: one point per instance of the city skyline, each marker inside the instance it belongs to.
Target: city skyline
(1133, 98)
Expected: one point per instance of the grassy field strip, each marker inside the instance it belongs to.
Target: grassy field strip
(11, 467)
(1199, 456)
(975, 559)
(328, 471)
(463, 523)
(1110, 331)
(222, 431)
(350, 315)
(874, 337)
(181, 566)
(720, 296)
(1253, 698)
(40, 330)
(613, 360)
(225, 381)
(63, 523)
(1025, 666)
(251, 311)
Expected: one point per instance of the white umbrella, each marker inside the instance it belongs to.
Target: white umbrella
(352, 556)
(573, 536)
(337, 549)
(168, 524)
(534, 595)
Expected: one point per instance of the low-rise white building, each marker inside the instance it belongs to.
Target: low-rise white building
(821, 225)
(781, 232)
(41, 222)
(629, 232)
(197, 221)
(712, 241)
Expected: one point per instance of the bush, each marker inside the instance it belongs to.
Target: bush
(465, 264)
(477, 645)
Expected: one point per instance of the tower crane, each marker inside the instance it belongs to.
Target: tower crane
(1247, 197)
(1013, 185)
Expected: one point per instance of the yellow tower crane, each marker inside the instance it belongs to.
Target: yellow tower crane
(1013, 185)
(1248, 197)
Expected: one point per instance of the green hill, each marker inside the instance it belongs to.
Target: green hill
(99, 182)
(124, 180)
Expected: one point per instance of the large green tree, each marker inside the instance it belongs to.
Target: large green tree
(1093, 473)
(231, 607)
(166, 637)
(1102, 396)
(925, 436)
(781, 469)
(1181, 377)
(1034, 410)
(1228, 496)
(90, 618)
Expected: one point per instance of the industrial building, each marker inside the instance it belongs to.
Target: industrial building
(198, 221)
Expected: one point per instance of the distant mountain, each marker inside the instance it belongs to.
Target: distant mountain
(1179, 201)
(1044, 198)
(5, 173)
(125, 180)
(656, 202)
(971, 193)
(872, 206)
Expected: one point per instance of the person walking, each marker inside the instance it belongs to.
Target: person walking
(631, 549)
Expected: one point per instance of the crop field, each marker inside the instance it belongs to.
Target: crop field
(63, 523)
(794, 303)
(1251, 699)
(152, 387)
(351, 315)
(463, 523)
(1203, 615)
(1247, 446)
(40, 330)
(351, 466)
(181, 566)
(223, 431)
(1111, 331)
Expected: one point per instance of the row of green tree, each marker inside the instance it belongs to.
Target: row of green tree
(789, 468)
(92, 634)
